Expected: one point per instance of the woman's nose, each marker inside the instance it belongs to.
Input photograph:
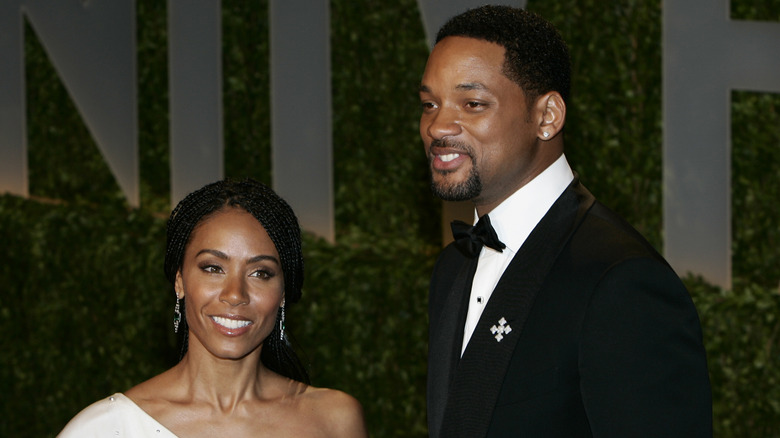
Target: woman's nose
(234, 293)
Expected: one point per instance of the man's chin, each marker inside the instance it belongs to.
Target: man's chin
(463, 191)
(451, 197)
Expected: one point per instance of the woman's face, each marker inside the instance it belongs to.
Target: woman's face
(232, 281)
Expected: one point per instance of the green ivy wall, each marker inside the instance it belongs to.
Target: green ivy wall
(84, 307)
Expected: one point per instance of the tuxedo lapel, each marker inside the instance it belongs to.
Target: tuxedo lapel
(446, 338)
(480, 372)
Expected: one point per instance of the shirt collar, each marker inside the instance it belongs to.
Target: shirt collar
(518, 215)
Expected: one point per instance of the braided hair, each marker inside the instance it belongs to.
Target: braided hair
(279, 221)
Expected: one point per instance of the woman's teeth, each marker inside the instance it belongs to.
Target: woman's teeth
(230, 323)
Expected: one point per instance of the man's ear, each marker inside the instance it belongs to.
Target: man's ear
(553, 115)
(178, 285)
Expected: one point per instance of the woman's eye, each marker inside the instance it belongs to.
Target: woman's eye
(262, 273)
(212, 269)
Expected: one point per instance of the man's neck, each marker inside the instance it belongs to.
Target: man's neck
(485, 206)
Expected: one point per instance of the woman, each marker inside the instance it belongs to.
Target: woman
(234, 257)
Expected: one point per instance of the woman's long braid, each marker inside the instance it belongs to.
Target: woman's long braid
(279, 221)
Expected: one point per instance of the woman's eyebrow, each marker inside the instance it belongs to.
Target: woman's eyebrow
(222, 255)
(214, 252)
(258, 258)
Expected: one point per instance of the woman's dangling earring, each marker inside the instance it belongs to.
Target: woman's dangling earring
(281, 324)
(176, 316)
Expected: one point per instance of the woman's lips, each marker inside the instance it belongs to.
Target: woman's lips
(231, 325)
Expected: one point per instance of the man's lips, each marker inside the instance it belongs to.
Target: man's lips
(447, 159)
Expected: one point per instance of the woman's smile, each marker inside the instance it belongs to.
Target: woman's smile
(230, 323)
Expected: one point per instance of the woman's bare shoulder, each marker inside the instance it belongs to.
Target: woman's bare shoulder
(151, 388)
(155, 396)
(339, 413)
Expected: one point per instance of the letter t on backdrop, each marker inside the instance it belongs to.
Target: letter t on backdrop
(301, 131)
(195, 72)
(706, 55)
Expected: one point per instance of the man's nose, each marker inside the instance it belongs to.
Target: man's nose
(443, 123)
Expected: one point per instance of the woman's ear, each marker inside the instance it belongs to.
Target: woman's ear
(178, 285)
(553, 115)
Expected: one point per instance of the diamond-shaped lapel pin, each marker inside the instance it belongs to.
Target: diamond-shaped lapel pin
(501, 329)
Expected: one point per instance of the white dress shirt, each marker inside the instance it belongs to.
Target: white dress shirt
(513, 220)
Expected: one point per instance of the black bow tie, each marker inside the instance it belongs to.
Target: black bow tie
(471, 239)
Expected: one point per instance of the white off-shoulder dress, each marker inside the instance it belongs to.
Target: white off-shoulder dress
(114, 417)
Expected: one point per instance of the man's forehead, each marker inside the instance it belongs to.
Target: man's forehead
(467, 41)
(459, 55)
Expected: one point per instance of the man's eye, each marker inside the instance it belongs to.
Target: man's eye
(474, 104)
(428, 105)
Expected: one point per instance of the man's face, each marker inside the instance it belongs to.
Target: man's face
(479, 136)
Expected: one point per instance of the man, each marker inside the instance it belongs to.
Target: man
(567, 323)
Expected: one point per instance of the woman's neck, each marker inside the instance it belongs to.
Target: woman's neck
(225, 382)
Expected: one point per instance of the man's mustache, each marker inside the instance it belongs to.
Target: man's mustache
(450, 144)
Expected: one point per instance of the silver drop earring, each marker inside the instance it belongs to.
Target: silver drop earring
(281, 325)
(176, 316)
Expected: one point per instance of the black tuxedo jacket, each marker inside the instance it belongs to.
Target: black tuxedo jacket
(604, 340)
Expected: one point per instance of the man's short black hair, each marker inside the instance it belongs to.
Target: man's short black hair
(536, 57)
